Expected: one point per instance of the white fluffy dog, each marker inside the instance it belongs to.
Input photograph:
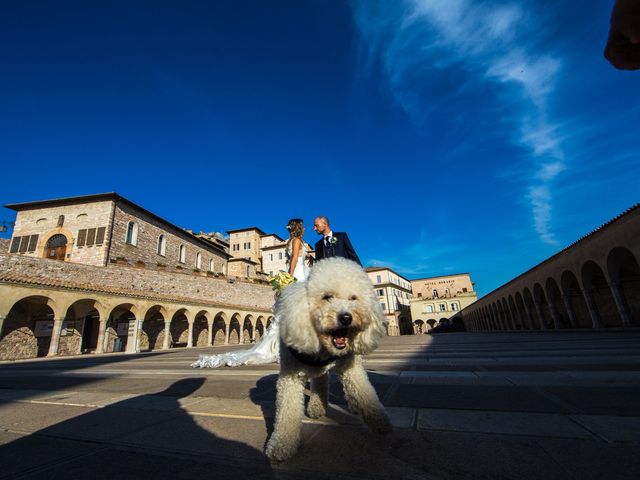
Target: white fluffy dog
(329, 321)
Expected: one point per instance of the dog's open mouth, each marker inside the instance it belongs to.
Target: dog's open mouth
(339, 338)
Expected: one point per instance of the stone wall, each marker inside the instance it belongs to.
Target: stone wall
(146, 249)
(172, 284)
(4, 245)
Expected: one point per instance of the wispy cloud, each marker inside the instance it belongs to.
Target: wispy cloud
(492, 42)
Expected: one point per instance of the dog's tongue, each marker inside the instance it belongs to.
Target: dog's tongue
(340, 338)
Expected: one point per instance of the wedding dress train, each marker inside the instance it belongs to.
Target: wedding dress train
(267, 349)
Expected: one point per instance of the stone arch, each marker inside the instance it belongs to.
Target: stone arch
(179, 329)
(517, 319)
(558, 311)
(235, 329)
(82, 327)
(116, 334)
(247, 329)
(506, 314)
(269, 320)
(432, 323)
(595, 284)
(201, 329)
(219, 328)
(522, 311)
(153, 328)
(419, 327)
(260, 327)
(26, 332)
(541, 306)
(573, 295)
(43, 250)
(501, 316)
(529, 304)
(624, 272)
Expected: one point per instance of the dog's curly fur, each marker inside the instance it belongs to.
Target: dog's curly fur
(333, 317)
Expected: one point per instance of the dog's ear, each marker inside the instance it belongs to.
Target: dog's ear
(367, 340)
(296, 327)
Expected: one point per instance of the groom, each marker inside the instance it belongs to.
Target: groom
(332, 244)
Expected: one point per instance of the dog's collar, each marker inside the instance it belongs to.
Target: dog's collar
(311, 360)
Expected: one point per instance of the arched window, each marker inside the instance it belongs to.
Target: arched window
(183, 254)
(212, 265)
(198, 261)
(435, 293)
(248, 271)
(162, 245)
(132, 233)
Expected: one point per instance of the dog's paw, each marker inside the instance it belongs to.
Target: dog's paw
(315, 408)
(277, 451)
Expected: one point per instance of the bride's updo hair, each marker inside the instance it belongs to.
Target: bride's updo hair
(295, 226)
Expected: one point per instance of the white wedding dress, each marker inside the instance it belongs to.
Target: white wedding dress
(267, 350)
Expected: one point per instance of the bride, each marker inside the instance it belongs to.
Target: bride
(267, 350)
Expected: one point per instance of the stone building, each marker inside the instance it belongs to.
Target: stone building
(394, 293)
(436, 299)
(107, 228)
(99, 274)
(258, 253)
(593, 283)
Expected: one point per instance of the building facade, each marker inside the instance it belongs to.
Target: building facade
(107, 228)
(394, 293)
(436, 299)
(593, 283)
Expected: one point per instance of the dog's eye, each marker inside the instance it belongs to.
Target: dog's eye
(327, 297)
(353, 297)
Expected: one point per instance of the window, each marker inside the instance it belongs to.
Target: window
(183, 254)
(60, 220)
(419, 294)
(280, 256)
(198, 261)
(442, 307)
(435, 293)
(429, 309)
(24, 244)
(454, 306)
(380, 292)
(91, 236)
(132, 233)
(236, 247)
(464, 289)
(212, 265)
(162, 246)
(446, 292)
(271, 256)
(248, 271)
(384, 307)
(378, 279)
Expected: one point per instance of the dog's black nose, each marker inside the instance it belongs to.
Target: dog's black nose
(345, 319)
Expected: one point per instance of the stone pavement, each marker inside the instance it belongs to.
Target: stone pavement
(549, 405)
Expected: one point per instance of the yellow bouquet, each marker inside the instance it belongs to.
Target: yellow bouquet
(280, 280)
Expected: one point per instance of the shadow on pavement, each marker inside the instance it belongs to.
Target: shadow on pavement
(148, 436)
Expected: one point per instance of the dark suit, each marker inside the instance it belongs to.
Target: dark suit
(341, 248)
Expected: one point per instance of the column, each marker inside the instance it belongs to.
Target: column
(102, 330)
(622, 309)
(210, 333)
(55, 337)
(190, 337)
(138, 335)
(538, 307)
(591, 306)
(227, 331)
(2, 319)
(527, 311)
(167, 334)
(566, 299)
(554, 315)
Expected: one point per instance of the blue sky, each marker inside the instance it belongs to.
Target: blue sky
(444, 136)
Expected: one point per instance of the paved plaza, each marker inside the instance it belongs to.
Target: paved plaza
(533, 405)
